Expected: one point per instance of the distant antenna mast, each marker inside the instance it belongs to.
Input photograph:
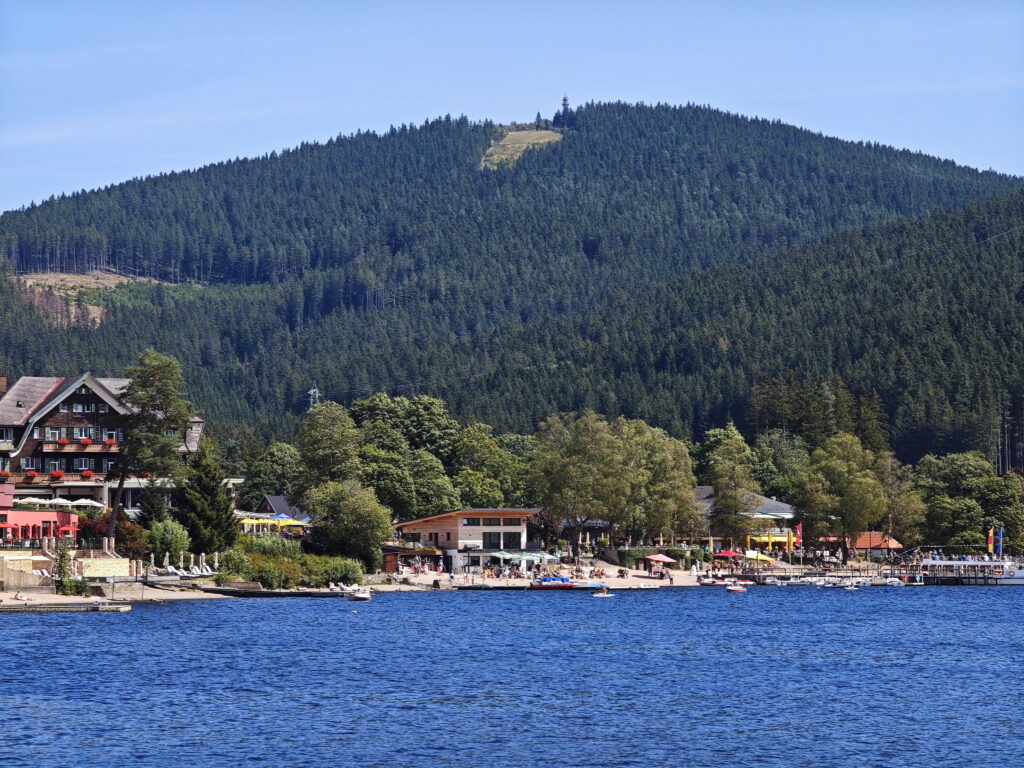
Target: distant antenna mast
(314, 397)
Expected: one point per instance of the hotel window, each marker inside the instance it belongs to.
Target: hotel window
(35, 433)
(54, 465)
(102, 408)
(108, 464)
(448, 536)
(52, 433)
(511, 521)
(492, 521)
(492, 540)
(471, 521)
(5, 464)
(172, 432)
(79, 408)
(83, 464)
(511, 541)
(83, 390)
(64, 408)
(6, 433)
(29, 462)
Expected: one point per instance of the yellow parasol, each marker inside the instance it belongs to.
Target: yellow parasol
(759, 556)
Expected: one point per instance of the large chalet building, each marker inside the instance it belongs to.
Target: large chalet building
(61, 437)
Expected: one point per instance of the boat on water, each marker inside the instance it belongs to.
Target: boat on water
(552, 583)
(360, 596)
(1004, 572)
(735, 588)
(602, 592)
(592, 585)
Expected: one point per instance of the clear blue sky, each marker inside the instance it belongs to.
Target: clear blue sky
(93, 93)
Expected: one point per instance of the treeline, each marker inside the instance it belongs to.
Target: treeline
(416, 460)
(841, 488)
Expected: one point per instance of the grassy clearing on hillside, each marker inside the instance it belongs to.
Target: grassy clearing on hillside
(514, 144)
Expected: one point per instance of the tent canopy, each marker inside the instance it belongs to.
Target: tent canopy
(728, 553)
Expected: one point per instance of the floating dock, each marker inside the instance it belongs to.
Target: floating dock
(65, 608)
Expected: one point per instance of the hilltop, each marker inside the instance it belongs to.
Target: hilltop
(396, 262)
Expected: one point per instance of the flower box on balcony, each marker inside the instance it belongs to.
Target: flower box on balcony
(87, 474)
(63, 441)
(85, 441)
(110, 442)
(57, 474)
(4, 474)
(31, 473)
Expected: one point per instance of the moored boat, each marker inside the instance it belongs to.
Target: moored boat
(360, 596)
(552, 583)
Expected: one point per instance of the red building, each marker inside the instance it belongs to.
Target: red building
(21, 524)
(60, 438)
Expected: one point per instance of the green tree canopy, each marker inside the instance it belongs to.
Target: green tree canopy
(349, 521)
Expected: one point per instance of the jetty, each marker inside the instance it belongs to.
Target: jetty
(66, 608)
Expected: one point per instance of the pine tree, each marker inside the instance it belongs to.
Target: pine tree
(153, 507)
(202, 505)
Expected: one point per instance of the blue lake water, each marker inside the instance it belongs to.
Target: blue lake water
(685, 677)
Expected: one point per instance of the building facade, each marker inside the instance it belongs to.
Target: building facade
(61, 437)
(468, 537)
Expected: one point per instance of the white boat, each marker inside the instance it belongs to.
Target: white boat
(360, 596)
(893, 582)
(850, 588)
(736, 588)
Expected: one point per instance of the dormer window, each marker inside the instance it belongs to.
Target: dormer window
(19, 404)
(83, 390)
(64, 408)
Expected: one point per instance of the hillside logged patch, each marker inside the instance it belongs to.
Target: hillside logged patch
(510, 148)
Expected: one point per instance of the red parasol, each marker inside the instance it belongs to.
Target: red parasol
(728, 553)
(659, 559)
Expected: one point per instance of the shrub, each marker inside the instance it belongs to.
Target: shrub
(630, 557)
(73, 587)
(233, 563)
(681, 556)
(274, 572)
(318, 570)
(272, 546)
(167, 536)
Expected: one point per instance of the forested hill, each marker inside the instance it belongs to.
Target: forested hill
(629, 190)
(927, 313)
(402, 263)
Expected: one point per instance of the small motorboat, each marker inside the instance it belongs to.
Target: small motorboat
(551, 583)
(851, 587)
(736, 588)
(602, 592)
(744, 582)
(360, 596)
(894, 582)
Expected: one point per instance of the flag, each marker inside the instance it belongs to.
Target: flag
(769, 541)
(999, 543)
(799, 534)
(789, 541)
(991, 533)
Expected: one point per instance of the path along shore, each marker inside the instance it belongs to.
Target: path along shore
(136, 592)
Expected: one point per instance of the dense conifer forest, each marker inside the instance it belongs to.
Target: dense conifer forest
(658, 262)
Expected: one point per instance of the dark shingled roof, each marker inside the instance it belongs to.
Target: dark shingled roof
(765, 506)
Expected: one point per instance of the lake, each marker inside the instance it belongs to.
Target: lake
(680, 677)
